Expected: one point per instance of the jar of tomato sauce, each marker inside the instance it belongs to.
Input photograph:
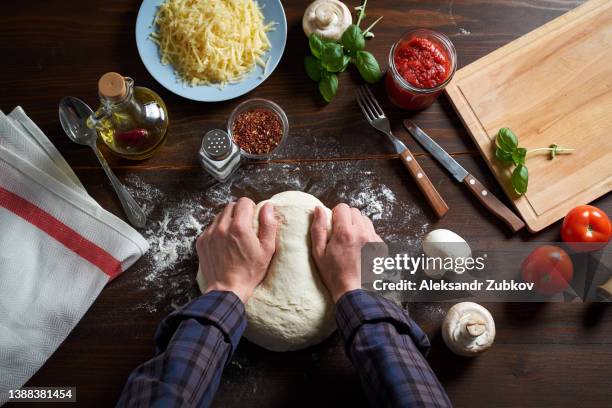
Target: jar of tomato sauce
(421, 64)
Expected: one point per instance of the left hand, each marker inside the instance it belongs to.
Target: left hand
(338, 256)
(232, 256)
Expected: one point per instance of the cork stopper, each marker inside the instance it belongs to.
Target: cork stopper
(112, 86)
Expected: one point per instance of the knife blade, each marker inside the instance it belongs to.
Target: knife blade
(436, 151)
(462, 175)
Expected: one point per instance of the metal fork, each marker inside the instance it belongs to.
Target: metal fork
(378, 120)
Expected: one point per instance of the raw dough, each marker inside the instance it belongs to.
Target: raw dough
(291, 309)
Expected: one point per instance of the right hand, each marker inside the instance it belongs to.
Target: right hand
(338, 256)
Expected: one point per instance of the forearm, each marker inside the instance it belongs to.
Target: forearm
(387, 349)
(193, 346)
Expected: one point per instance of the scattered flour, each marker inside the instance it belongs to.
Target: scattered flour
(433, 311)
(463, 31)
(171, 240)
(145, 194)
(175, 221)
(374, 202)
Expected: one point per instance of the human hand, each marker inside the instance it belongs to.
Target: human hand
(232, 256)
(339, 259)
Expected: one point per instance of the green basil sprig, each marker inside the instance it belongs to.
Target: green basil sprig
(507, 151)
(330, 58)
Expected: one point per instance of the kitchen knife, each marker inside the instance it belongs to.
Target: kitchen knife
(484, 196)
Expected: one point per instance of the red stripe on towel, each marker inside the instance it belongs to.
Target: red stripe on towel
(60, 232)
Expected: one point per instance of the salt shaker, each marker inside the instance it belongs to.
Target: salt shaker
(219, 155)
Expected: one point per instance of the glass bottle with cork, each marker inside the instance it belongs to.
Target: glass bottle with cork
(131, 121)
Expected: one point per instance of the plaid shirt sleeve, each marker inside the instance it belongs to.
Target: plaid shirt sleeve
(387, 348)
(193, 345)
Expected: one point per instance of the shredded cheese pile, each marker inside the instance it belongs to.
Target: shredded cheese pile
(211, 41)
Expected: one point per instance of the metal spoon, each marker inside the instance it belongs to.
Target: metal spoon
(73, 115)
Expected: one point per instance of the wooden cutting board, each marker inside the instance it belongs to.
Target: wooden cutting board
(553, 85)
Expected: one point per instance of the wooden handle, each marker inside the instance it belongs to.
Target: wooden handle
(433, 197)
(493, 204)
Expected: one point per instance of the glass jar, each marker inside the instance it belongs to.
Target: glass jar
(403, 93)
(131, 121)
(259, 104)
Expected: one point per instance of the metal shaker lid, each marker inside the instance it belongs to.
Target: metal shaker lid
(216, 144)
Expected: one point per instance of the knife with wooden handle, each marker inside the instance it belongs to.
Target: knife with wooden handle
(484, 196)
(435, 200)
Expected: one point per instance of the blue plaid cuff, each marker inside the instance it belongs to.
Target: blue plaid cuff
(223, 310)
(359, 307)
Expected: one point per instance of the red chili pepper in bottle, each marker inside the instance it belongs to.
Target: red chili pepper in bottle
(134, 137)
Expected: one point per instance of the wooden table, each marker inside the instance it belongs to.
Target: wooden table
(545, 354)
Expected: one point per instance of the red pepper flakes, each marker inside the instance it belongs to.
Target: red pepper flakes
(257, 131)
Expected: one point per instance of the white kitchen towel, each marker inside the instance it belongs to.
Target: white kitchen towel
(58, 249)
(22, 137)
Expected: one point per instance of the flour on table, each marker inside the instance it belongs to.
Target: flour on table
(172, 239)
(147, 195)
(374, 202)
(175, 220)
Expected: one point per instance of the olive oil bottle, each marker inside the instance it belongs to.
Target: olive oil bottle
(131, 121)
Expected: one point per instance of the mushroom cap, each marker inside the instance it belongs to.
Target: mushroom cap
(443, 243)
(327, 18)
(468, 329)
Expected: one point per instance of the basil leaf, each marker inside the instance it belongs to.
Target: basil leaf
(313, 68)
(328, 86)
(503, 156)
(332, 57)
(345, 63)
(316, 45)
(518, 155)
(352, 38)
(506, 140)
(520, 179)
(367, 66)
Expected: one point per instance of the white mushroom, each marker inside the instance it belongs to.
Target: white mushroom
(468, 329)
(328, 18)
(443, 243)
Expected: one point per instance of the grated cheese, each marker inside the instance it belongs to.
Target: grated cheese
(212, 41)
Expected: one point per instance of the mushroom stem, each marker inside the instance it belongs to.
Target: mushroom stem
(474, 327)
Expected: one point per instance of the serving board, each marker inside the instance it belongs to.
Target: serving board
(553, 85)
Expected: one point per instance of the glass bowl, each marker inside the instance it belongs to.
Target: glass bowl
(258, 103)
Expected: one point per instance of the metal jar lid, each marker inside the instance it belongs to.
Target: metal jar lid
(216, 144)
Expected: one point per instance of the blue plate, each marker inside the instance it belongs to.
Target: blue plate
(165, 75)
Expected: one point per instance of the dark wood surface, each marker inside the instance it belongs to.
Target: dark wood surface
(545, 354)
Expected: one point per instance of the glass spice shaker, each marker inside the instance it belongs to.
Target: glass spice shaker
(219, 155)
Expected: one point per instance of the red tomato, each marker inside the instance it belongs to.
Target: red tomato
(589, 225)
(550, 268)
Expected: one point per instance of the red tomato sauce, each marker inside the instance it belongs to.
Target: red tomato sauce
(422, 63)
